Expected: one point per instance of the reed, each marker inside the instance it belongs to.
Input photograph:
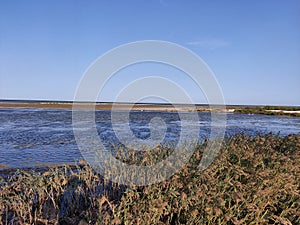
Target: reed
(254, 180)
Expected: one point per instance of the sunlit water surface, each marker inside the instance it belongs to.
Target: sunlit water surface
(36, 137)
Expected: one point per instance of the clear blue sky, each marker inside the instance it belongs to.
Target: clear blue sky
(253, 47)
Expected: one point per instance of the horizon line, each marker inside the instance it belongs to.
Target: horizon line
(138, 103)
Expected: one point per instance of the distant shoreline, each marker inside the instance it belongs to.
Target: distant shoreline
(267, 110)
(106, 106)
(103, 106)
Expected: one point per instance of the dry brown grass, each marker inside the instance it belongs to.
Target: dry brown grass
(254, 180)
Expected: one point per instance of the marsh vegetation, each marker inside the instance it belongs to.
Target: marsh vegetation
(270, 110)
(254, 180)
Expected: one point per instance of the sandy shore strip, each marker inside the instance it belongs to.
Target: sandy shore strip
(110, 106)
(289, 110)
(283, 111)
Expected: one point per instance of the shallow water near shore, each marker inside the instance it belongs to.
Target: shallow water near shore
(35, 137)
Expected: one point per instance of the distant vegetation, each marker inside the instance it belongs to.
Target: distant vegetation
(269, 110)
(254, 180)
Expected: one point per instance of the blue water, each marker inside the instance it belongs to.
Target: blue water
(31, 137)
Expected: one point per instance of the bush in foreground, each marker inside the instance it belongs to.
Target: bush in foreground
(254, 180)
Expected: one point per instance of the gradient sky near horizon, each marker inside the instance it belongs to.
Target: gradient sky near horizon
(253, 47)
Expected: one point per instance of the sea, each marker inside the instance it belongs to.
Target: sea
(37, 137)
